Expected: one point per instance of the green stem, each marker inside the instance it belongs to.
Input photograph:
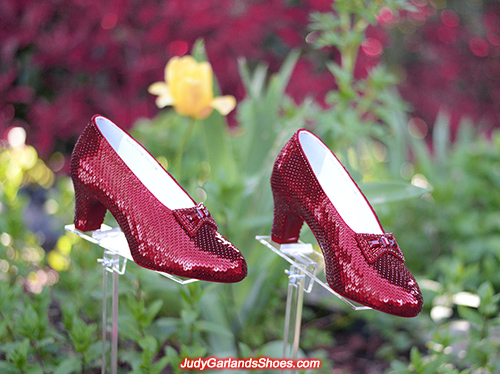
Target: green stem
(484, 328)
(349, 57)
(178, 160)
(232, 314)
(349, 54)
(83, 363)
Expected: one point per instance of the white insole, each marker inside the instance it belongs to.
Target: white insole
(338, 186)
(144, 166)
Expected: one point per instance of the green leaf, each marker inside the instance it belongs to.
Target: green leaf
(275, 349)
(207, 326)
(423, 158)
(485, 292)
(8, 368)
(441, 137)
(245, 350)
(260, 116)
(219, 149)
(3, 329)
(33, 369)
(465, 133)
(379, 77)
(283, 77)
(199, 51)
(173, 358)
(94, 352)
(82, 334)
(151, 312)
(385, 192)
(398, 367)
(343, 78)
(189, 316)
(272, 349)
(159, 365)
(28, 324)
(164, 327)
(137, 307)
(415, 356)
(489, 301)
(172, 353)
(470, 315)
(254, 84)
(68, 314)
(19, 355)
(148, 343)
(129, 328)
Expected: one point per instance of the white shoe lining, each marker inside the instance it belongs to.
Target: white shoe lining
(338, 186)
(144, 166)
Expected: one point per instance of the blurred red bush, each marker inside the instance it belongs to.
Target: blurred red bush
(451, 61)
(63, 61)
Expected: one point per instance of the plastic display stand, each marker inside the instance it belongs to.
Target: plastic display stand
(114, 261)
(304, 267)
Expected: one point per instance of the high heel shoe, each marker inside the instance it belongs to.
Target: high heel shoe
(165, 229)
(362, 262)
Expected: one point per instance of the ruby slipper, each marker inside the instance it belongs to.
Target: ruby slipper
(362, 262)
(165, 229)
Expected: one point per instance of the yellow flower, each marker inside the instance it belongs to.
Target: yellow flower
(188, 86)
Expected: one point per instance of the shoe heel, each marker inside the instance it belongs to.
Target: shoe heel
(286, 224)
(89, 212)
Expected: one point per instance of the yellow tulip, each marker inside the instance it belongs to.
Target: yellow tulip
(188, 86)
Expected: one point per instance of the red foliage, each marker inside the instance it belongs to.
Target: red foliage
(63, 61)
(453, 64)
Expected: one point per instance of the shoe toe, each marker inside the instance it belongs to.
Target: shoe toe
(223, 262)
(398, 292)
(205, 256)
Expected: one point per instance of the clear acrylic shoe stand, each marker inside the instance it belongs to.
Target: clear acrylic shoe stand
(305, 264)
(114, 261)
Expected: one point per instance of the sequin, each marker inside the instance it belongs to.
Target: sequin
(364, 267)
(159, 238)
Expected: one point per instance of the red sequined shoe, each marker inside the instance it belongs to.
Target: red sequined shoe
(165, 229)
(362, 262)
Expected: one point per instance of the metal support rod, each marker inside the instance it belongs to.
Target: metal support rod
(114, 338)
(116, 249)
(111, 264)
(288, 312)
(104, 316)
(293, 313)
(305, 264)
(298, 318)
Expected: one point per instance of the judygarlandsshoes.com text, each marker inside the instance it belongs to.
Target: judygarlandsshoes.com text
(212, 363)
